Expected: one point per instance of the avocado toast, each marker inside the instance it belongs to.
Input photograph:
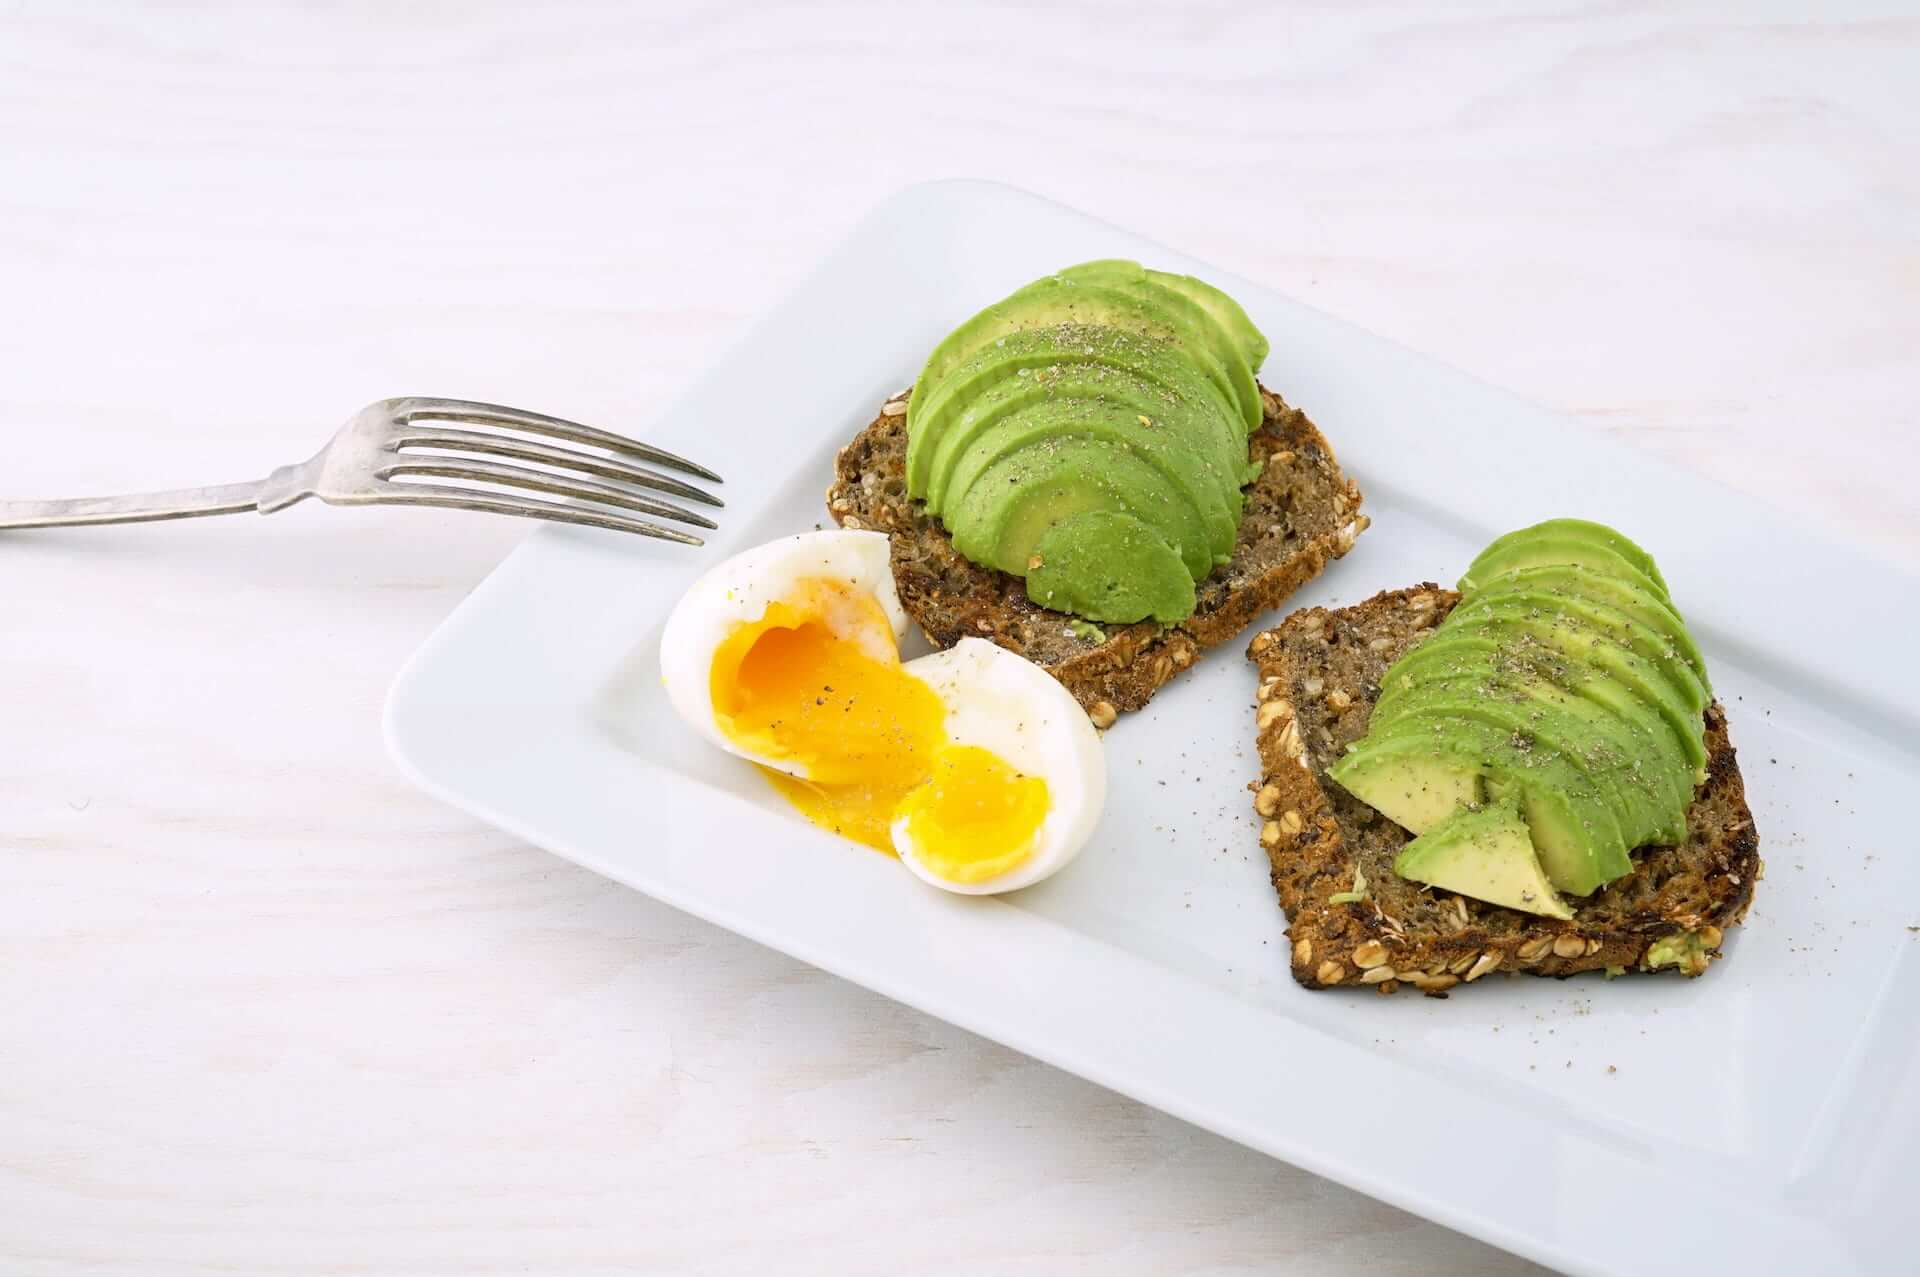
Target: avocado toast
(1300, 514)
(1353, 920)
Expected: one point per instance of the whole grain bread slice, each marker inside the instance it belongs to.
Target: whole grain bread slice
(1352, 920)
(1301, 513)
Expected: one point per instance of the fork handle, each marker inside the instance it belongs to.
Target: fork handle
(144, 507)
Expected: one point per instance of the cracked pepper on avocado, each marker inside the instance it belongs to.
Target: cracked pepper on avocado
(1089, 435)
(1531, 774)
(1557, 710)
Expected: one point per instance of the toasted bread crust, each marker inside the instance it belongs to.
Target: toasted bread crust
(1301, 513)
(1320, 671)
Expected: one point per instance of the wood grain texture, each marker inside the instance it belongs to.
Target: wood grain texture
(265, 1009)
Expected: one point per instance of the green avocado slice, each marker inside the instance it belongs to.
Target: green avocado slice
(1414, 786)
(1032, 308)
(1220, 347)
(1602, 619)
(1225, 311)
(1588, 651)
(1146, 377)
(1570, 580)
(1572, 824)
(1058, 299)
(1485, 853)
(941, 417)
(1511, 662)
(1066, 422)
(1591, 652)
(1466, 648)
(1110, 567)
(1001, 517)
(1605, 689)
(1564, 541)
(1061, 403)
(1644, 778)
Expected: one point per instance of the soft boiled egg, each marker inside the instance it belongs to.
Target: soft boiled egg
(973, 765)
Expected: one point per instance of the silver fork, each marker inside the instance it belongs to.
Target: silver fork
(383, 442)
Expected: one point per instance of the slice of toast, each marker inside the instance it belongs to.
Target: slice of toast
(1301, 512)
(1320, 672)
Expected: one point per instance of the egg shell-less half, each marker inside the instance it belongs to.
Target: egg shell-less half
(738, 592)
(1007, 705)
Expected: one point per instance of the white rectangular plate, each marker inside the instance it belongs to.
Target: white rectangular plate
(1768, 1113)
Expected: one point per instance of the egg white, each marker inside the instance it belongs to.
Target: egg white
(1007, 705)
(738, 592)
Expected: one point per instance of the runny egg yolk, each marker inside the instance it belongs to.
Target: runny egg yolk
(975, 818)
(817, 682)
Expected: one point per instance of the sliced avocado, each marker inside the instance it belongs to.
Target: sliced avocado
(1001, 517)
(1201, 428)
(1443, 653)
(1456, 648)
(1225, 311)
(1660, 760)
(1644, 778)
(1577, 849)
(1636, 800)
(1215, 347)
(937, 410)
(1609, 623)
(1614, 677)
(1560, 541)
(1567, 683)
(1102, 389)
(1045, 304)
(1414, 788)
(1572, 823)
(1493, 659)
(1486, 854)
(1109, 565)
(1597, 684)
(1590, 652)
(1572, 580)
(1081, 408)
(1131, 306)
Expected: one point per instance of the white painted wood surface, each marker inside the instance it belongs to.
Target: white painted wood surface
(264, 1009)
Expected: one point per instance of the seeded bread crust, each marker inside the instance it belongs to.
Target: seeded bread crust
(1301, 513)
(1320, 672)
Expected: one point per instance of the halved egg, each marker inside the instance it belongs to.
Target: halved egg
(973, 765)
(1017, 788)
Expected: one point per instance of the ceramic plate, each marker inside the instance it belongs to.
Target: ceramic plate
(1767, 1114)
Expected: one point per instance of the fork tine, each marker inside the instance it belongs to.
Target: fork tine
(490, 414)
(530, 508)
(539, 481)
(432, 436)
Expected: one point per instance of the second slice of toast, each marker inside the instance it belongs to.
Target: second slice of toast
(1352, 920)
(1301, 513)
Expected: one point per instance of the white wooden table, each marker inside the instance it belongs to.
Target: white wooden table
(263, 1009)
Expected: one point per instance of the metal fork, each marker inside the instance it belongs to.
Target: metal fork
(384, 442)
